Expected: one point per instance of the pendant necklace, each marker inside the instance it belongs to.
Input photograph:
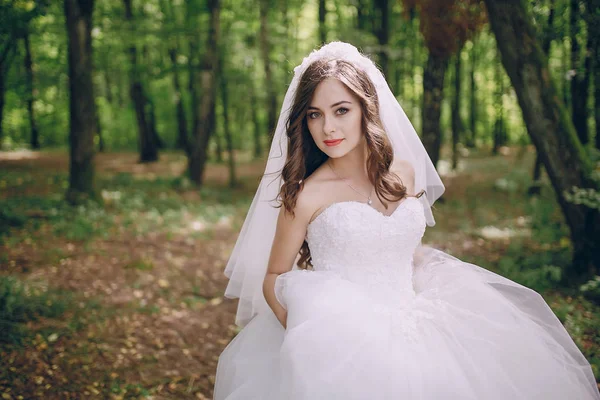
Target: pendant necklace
(369, 201)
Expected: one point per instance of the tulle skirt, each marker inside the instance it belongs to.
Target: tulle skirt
(467, 334)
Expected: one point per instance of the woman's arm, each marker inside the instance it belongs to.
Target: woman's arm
(289, 236)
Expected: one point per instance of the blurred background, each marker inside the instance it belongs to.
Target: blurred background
(133, 135)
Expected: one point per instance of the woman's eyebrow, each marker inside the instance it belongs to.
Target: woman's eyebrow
(333, 105)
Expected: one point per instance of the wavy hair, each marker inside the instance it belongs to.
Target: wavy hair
(303, 155)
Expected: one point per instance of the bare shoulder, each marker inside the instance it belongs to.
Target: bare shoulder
(406, 172)
(314, 190)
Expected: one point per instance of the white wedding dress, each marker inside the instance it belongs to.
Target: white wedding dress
(376, 320)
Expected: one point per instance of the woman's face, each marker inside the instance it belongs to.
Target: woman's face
(334, 119)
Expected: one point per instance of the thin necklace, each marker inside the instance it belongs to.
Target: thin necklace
(369, 201)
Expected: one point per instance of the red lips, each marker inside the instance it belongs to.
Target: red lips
(333, 142)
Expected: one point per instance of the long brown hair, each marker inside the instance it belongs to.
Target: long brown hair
(304, 157)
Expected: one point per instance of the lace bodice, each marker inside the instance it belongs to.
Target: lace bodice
(363, 245)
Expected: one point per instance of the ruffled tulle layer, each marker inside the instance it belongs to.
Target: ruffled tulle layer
(466, 334)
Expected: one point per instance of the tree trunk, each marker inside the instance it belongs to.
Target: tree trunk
(194, 39)
(2, 99)
(108, 87)
(152, 122)
(566, 95)
(499, 133)
(226, 127)
(382, 32)
(414, 58)
(101, 143)
(182, 127)
(596, 69)
(593, 24)
(6, 57)
(148, 145)
(28, 64)
(473, 99)
(82, 106)
(322, 21)
(456, 120)
(265, 49)
(596, 96)
(580, 81)
(536, 185)
(401, 64)
(550, 128)
(433, 94)
(256, 120)
(205, 111)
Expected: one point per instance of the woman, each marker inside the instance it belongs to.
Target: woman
(366, 312)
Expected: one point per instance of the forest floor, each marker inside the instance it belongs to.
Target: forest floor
(125, 300)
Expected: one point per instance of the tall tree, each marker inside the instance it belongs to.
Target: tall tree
(226, 127)
(15, 20)
(257, 127)
(499, 132)
(536, 185)
(473, 96)
(193, 39)
(206, 77)
(433, 94)
(439, 21)
(182, 124)
(28, 64)
(382, 32)
(550, 128)
(148, 146)
(593, 25)
(6, 57)
(265, 49)
(82, 106)
(322, 21)
(457, 125)
(580, 65)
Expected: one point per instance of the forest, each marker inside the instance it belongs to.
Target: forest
(133, 135)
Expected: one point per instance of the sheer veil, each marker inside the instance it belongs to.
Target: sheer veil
(248, 263)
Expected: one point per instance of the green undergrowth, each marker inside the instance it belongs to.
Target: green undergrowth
(129, 204)
(22, 302)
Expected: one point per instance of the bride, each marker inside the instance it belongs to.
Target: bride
(337, 296)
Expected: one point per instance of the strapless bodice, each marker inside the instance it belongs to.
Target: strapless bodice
(361, 244)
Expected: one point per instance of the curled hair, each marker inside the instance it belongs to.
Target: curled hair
(303, 155)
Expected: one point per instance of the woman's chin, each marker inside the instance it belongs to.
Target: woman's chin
(336, 151)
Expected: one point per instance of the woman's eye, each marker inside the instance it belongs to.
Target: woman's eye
(313, 115)
(342, 110)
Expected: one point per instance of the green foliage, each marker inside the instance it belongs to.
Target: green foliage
(538, 270)
(582, 319)
(140, 204)
(539, 261)
(160, 25)
(21, 302)
(74, 223)
(589, 197)
(547, 222)
(591, 289)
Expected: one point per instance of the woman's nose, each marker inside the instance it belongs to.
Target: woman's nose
(328, 125)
